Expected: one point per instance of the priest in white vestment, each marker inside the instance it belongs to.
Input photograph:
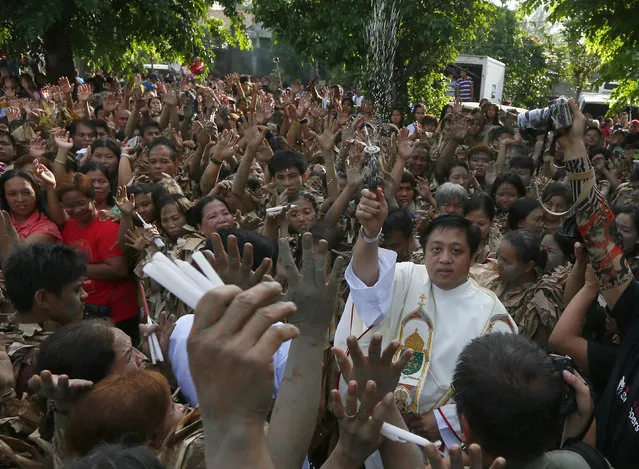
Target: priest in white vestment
(433, 309)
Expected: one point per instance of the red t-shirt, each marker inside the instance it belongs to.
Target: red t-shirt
(98, 241)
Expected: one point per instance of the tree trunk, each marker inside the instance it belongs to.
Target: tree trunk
(58, 53)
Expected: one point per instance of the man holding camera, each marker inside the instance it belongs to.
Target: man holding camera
(513, 398)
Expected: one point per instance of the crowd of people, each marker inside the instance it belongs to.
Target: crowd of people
(444, 272)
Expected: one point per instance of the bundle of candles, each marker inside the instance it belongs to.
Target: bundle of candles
(189, 285)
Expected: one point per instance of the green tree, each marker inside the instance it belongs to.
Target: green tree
(111, 33)
(528, 79)
(334, 34)
(611, 33)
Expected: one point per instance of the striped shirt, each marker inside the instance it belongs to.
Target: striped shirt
(465, 89)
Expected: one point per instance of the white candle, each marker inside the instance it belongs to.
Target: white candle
(207, 269)
(192, 273)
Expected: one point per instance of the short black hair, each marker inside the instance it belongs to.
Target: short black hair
(80, 350)
(508, 178)
(398, 220)
(183, 205)
(481, 201)
(554, 189)
(452, 222)
(148, 125)
(519, 210)
(452, 165)
(197, 211)
(510, 393)
(522, 161)
(263, 247)
(108, 456)
(139, 188)
(163, 142)
(284, 159)
(297, 195)
(407, 177)
(527, 247)
(73, 128)
(41, 266)
(4, 133)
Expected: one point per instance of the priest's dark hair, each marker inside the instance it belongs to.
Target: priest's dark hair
(509, 392)
(452, 222)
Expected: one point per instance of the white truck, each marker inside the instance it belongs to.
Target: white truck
(486, 72)
(597, 103)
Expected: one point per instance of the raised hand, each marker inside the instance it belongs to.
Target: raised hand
(163, 329)
(423, 187)
(13, 114)
(84, 92)
(44, 176)
(372, 211)
(110, 103)
(62, 390)
(231, 349)
(226, 145)
(327, 139)
(170, 99)
(360, 426)
(303, 105)
(138, 239)
(37, 147)
(124, 203)
(264, 112)
(354, 176)
(404, 145)
(312, 294)
(230, 268)
(378, 366)
(264, 153)
(65, 86)
(253, 133)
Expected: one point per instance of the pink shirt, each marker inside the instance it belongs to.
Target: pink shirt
(37, 223)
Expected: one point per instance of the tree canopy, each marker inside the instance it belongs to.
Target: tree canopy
(334, 33)
(113, 33)
(610, 31)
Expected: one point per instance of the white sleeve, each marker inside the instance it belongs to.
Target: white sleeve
(411, 129)
(448, 424)
(373, 303)
(179, 357)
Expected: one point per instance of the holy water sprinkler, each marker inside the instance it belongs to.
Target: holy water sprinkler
(371, 167)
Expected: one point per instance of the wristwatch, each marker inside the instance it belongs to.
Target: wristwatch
(368, 240)
(215, 161)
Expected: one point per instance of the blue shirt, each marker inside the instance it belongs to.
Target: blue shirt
(465, 89)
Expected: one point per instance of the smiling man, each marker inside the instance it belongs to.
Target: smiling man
(433, 309)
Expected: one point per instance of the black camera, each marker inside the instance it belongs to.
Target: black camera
(276, 60)
(539, 121)
(569, 399)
